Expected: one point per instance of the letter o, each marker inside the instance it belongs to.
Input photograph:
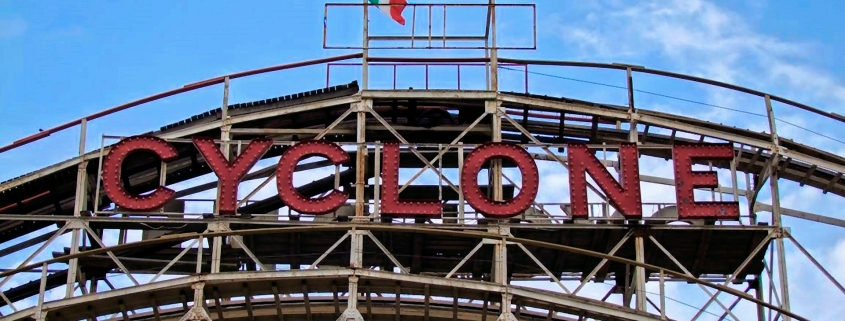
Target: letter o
(500, 209)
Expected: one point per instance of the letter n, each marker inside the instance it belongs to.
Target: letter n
(625, 197)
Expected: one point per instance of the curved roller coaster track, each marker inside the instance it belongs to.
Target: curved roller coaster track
(372, 256)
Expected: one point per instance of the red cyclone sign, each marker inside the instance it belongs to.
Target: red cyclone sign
(624, 194)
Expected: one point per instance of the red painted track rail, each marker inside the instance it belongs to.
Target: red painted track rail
(186, 88)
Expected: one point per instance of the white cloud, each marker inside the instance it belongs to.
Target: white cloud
(703, 39)
(699, 38)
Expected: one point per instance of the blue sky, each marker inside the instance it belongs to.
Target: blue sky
(60, 61)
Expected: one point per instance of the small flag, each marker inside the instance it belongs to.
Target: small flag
(392, 8)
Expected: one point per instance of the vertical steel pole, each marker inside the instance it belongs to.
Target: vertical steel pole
(494, 52)
(662, 295)
(713, 190)
(770, 112)
(735, 183)
(633, 133)
(500, 271)
(749, 186)
(337, 177)
(83, 132)
(328, 74)
(426, 76)
(351, 312)
(224, 116)
(366, 50)
(413, 25)
(640, 274)
(356, 253)
(377, 182)
(99, 175)
(78, 206)
(429, 26)
(361, 157)
(440, 171)
(444, 26)
(496, 136)
(461, 214)
(356, 241)
(487, 64)
(525, 66)
(73, 265)
(776, 217)
(784, 281)
(39, 313)
(493, 106)
(758, 293)
(459, 77)
(225, 136)
(200, 246)
(216, 248)
(771, 276)
(325, 29)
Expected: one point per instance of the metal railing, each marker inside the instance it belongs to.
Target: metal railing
(430, 40)
(521, 62)
(427, 66)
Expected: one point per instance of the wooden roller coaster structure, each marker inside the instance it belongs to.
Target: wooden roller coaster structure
(392, 250)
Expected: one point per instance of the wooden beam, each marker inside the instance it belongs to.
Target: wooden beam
(306, 300)
(248, 300)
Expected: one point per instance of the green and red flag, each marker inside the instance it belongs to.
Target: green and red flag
(392, 8)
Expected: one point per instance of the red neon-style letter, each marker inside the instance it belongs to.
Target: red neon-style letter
(284, 177)
(625, 197)
(390, 203)
(686, 180)
(112, 185)
(230, 173)
(500, 209)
